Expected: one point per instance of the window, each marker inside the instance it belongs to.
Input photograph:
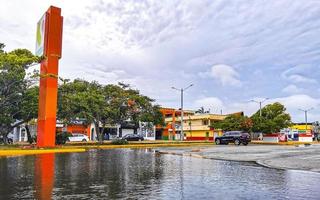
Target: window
(205, 122)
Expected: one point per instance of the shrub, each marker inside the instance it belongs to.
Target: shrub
(119, 142)
(62, 137)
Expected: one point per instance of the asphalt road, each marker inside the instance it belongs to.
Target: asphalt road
(299, 157)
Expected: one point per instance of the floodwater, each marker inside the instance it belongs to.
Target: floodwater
(142, 174)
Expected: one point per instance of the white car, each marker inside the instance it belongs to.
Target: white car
(78, 137)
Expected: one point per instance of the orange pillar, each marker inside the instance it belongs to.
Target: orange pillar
(44, 176)
(49, 78)
(174, 124)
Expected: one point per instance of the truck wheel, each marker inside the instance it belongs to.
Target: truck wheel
(237, 142)
(218, 141)
(245, 143)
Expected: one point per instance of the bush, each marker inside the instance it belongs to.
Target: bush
(62, 137)
(119, 142)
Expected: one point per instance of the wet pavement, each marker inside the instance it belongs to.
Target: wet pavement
(144, 174)
(300, 157)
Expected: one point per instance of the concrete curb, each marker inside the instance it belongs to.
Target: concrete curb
(38, 151)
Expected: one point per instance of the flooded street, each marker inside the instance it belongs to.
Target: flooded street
(142, 174)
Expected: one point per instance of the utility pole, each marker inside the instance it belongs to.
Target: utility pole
(260, 104)
(306, 116)
(181, 98)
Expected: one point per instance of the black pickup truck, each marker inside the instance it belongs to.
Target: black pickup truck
(236, 137)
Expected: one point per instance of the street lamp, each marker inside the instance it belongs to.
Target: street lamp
(260, 104)
(306, 115)
(181, 98)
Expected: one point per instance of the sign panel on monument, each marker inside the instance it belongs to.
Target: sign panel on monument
(41, 26)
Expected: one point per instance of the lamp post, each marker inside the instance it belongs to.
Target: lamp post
(181, 98)
(306, 116)
(260, 104)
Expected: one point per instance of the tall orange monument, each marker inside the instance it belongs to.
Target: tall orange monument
(48, 45)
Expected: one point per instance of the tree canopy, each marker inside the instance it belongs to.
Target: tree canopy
(13, 85)
(105, 104)
(234, 122)
(273, 119)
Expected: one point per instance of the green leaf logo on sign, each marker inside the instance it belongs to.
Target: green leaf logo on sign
(40, 36)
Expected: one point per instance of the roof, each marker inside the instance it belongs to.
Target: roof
(216, 117)
(177, 111)
(200, 117)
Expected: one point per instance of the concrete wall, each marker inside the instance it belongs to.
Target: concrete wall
(305, 139)
(270, 138)
(199, 135)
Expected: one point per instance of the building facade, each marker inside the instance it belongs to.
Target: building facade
(195, 126)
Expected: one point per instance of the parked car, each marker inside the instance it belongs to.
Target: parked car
(132, 137)
(236, 137)
(78, 137)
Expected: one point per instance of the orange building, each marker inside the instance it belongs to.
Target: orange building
(76, 127)
(169, 131)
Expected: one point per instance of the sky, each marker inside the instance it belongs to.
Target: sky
(232, 51)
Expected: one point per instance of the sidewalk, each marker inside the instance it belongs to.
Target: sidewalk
(281, 143)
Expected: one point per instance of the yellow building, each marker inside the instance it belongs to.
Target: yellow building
(302, 128)
(197, 126)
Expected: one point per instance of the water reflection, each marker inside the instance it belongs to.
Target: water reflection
(44, 175)
(141, 174)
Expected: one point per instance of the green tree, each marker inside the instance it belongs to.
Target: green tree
(13, 85)
(105, 105)
(140, 108)
(234, 123)
(273, 118)
(81, 99)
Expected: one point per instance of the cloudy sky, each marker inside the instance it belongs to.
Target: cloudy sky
(232, 51)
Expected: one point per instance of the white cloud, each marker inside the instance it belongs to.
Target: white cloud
(292, 89)
(225, 74)
(299, 101)
(301, 74)
(213, 103)
(301, 79)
